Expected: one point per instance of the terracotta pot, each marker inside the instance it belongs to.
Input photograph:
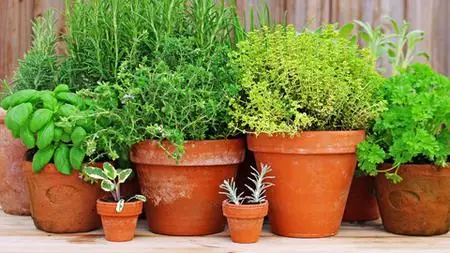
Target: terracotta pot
(119, 227)
(13, 188)
(313, 172)
(420, 204)
(183, 197)
(62, 203)
(245, 221)
(362, 202)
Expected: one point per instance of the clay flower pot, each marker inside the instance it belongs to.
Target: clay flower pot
(419, 205)
(13, 188)
(362, 202)
(182, 198)
(119, 227)
(245, 221)
(61, 203)
(314, 171)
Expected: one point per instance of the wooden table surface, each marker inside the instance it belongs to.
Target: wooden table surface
(18, 234)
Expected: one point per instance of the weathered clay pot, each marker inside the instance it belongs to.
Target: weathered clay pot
(420, 204)
(62, 203)
(245, 221)
(13, 190)
(119, 227)
(183, 197)
(362, 202)
(313, 172)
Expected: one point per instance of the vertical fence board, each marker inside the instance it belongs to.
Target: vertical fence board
(428, 15)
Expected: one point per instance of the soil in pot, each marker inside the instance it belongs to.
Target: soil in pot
(119, 227)
(419, 205)
(245, 221)
(13, 188)
(362, 202)
(313, 172)
(182, 198)
(62, 203)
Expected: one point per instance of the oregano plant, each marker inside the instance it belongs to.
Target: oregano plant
(415, 126)
(111, 179)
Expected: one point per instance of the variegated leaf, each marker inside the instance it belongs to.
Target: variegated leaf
(95, 173)
(108, 186)
(110, 171)
(120, 205)
(124, 174)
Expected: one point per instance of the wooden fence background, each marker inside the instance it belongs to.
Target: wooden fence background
(428, 15)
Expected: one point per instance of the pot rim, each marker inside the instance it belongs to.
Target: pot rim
(247, 211)
(307, 142)
(197, 153)
(109, 208)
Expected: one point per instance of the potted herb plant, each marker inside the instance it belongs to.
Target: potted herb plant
(408, 153)
(305, 100)
(245, 215)
(52, 125)
(170, 107)
(119, 215)
(36, 71)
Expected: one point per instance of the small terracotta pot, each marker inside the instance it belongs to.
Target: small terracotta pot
(62, 203)
(419, 205)
(13, 187)
(362, 202)
(183, 197)
(119, 227)
(313, 172)
(245, 221)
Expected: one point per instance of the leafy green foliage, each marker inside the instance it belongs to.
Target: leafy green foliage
(257, 191)
(42, 119)
(110, 182)
(39, 69)
(180, 90)
(415, 127)
(310, 81)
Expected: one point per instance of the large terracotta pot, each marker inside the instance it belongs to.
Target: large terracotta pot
(362, 202)
(420, 204)
(313, 172)
(119, 227)
(245, 221)
(62, 203)
(183, 197)
(13, 187)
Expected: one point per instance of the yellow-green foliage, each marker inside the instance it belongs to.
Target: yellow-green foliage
(310, 81)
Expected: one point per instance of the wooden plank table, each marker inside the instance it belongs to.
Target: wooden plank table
(18, 234)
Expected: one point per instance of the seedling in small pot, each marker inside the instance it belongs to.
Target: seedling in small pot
(245, 214)
(119, 218)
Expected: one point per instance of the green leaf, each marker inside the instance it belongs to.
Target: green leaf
(394, 177)
(5, 104)
(61, 88)
(58, 134)
(61, 159)
(76, 157)
(108, 186)
(365, 37)
(65, 137)
(124, 174)
(27, 137)
(110, 171)
(139, 197)
(95, 173)
(49, 101)
(21, 97)
(78, 136)
(120, 205)
(68, 110)
(42, 158)
(39, 119)
(70, 98)
(45, 135)
(19, 114)
(346, 30)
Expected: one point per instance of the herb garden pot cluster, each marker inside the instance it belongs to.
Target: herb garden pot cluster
(13, 191)
(182, 196)
(314, 171)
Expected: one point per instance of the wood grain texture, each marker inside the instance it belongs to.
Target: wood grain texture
(18, 234)
(428, 15)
